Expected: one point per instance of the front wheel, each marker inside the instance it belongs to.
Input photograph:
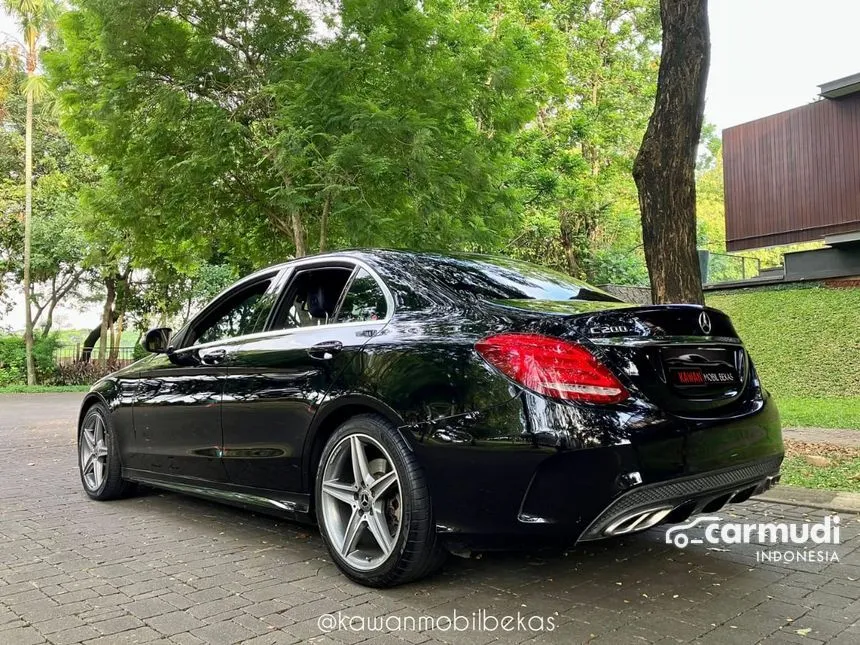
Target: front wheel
(373, 505)
(98, 456)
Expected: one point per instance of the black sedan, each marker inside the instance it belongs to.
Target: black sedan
(414, 404)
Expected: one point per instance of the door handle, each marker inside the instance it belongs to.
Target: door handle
(212, 356)
(325, 350)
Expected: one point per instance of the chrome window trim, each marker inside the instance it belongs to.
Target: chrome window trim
(275, 333)
(282, 275)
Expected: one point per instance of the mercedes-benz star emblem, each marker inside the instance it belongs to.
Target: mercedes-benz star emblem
(705, 323)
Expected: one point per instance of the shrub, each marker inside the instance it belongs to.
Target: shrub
(139, 352)
(78, 373)
(13, 359)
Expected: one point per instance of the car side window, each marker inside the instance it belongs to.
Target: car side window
(244, 313)
(312, 297)
(365, 300)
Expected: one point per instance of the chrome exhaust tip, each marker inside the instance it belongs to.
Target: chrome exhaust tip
(638, 521)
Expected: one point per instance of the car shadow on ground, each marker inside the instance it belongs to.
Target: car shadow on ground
(622, 573)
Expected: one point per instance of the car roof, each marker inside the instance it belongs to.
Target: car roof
(384, 254)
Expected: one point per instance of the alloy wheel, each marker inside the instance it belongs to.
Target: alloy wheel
(94, 452)
(361, 503)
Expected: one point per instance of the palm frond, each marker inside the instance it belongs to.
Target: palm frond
(36, 86)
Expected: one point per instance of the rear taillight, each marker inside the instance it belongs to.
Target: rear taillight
(552, 367)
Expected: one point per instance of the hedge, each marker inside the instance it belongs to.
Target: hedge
(13, 361)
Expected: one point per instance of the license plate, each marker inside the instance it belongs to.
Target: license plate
(703, 376)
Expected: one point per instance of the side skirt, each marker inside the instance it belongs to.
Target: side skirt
(288, 505)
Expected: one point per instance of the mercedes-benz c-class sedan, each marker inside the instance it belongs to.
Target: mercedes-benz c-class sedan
(413, 404)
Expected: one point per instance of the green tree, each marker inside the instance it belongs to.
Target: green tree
(576, 161)
(237, 130)
(58, 246)
(417, 110)
(35, 19)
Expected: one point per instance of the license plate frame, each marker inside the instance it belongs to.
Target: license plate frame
(700, 368)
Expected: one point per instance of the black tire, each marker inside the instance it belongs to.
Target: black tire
(111, 485)
(417, 551)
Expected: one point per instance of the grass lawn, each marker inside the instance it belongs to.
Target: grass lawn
(843, 472)
(41, 389)
(825, 412)
(803, 340)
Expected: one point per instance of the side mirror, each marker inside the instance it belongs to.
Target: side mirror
(157, 341)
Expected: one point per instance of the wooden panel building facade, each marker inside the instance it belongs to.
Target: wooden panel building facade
(795, 176)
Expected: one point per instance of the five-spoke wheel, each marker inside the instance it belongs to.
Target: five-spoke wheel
(98, 456)
(361, 501)
(373, 505)
(94, 452)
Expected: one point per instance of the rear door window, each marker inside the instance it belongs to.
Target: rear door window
(312, 297)
(365, 300)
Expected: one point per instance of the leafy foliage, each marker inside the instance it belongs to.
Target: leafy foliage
(59, 174)
(13, 359)
(235, 129)
(79, 373)
(581, 212)
(209, 139)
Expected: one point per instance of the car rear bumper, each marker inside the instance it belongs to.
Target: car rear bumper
(564, 476)
(673, 501)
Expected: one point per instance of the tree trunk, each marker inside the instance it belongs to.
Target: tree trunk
(112, 342)
(117, 336)
(28, 228)
(49, 319)
(574, 231)
(90, 342)
(57, 294)
(664, 169)
(324, 223)
(569, 253)
(298, 234)
(107, 317)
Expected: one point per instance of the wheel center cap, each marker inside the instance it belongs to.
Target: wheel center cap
(364, 500)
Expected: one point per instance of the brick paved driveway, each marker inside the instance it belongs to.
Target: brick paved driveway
(168, 568)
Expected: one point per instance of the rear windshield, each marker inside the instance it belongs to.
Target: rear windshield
(496, 278)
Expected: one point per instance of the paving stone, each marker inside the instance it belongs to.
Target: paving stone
(148, 608)
(21, 636)
(131, 637)
(275, 638)
(74, 635)
(186, 639)
(117, 625)
(174, 623)
(58, 624)
(162, 567)
(216, 607)
(223, 633)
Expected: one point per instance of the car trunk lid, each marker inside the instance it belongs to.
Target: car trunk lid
(687, 359)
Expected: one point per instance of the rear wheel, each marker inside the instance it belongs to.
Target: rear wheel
(98, 456)
(373, 505)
